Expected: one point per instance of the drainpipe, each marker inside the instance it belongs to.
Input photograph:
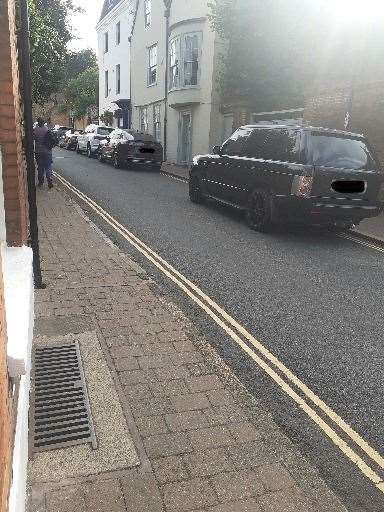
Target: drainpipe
(130, 114)
(167, 15)
(25, 66)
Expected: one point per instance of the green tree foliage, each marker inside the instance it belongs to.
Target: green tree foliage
(81, 94)
(80, 61)
(49, 34)
(276, 50)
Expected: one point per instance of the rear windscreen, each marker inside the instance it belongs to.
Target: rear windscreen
(104, 131)
(340, 152)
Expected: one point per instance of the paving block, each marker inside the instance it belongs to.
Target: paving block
(237, 485)
(151, 425)
(287, 500)
(188, 420)
(208, 462)
(188, 495)
(250, 505)
(275, 477)
(204, 383)
(141, 494)
(165, 445)
(170, 469)
(190, 402)
(211, 437)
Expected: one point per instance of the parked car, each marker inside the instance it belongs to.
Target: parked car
(59, 131)
(70, 139)
(297, 174)
(129, 147)
(89, 141)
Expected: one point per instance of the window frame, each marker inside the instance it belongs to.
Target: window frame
(118, 33)
(143, 119)
(106, 42)
(157, 121)
(181, 54)
(118, 78)
(106, 83)
(150, 66)
(147, 13)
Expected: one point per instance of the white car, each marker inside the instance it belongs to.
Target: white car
(89, 141)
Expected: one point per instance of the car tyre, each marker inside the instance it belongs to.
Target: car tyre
(77, 149)
(259, 211)
(100, 156)
(89, 151)
(116, 161)
(195, 193)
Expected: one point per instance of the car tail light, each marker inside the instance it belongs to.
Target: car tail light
(302, 186)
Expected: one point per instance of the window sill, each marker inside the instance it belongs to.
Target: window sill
(18, 295)
(152, 85)
(185, 88)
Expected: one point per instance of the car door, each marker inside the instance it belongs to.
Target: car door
(281, 160)
(109, 145)
(224, 172)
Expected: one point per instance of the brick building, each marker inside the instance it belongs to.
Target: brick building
(16, 276)
(360, 108)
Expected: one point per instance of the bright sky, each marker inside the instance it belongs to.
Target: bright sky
(84, 24)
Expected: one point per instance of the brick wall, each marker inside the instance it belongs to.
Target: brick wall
(328, 107)
(5, 411)
(11, 129)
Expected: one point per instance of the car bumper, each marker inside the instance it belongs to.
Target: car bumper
(322, 211)
(144, 162)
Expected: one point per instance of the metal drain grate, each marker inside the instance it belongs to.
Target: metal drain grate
(62, 415)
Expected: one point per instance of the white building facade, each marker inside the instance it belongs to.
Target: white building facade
(188, 104)
(114, 31)
(169, 83)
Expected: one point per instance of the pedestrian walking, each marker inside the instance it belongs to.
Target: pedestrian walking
(44, 143)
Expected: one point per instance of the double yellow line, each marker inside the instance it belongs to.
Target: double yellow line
(319, 412)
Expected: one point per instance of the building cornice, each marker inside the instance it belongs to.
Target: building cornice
(114, 13)
(187, 22)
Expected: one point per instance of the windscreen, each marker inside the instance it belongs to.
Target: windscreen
(340, 152)
(104, 131)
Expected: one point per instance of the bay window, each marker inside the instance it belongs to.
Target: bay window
(184, 60)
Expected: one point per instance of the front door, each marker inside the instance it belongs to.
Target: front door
(185, 138)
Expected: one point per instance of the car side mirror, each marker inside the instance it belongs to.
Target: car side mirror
(216, 150)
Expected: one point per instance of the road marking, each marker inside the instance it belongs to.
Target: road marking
(340, 235)
(176, 178)
(360, 241)
(222, 318)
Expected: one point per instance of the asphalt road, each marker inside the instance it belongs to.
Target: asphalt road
(314, 299)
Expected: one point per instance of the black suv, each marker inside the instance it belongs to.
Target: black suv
(280, 173)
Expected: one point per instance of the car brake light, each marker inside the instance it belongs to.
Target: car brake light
(302, 186)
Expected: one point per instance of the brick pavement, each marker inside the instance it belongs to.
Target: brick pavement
(204, 443)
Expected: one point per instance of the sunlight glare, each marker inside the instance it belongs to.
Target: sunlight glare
(363, 9)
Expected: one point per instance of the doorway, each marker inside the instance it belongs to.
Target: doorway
(185, 138)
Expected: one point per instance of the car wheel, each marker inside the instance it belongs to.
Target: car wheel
(195, 192)
(100, 156)
(116, 161)
(259, 211)
(89, 152)
(77, 149)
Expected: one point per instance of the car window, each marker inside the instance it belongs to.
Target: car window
(255, 144)
(282, 145)
(235, 145)
(104, 131)
(340, 152)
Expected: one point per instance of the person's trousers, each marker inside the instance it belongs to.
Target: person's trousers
(44, 167)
